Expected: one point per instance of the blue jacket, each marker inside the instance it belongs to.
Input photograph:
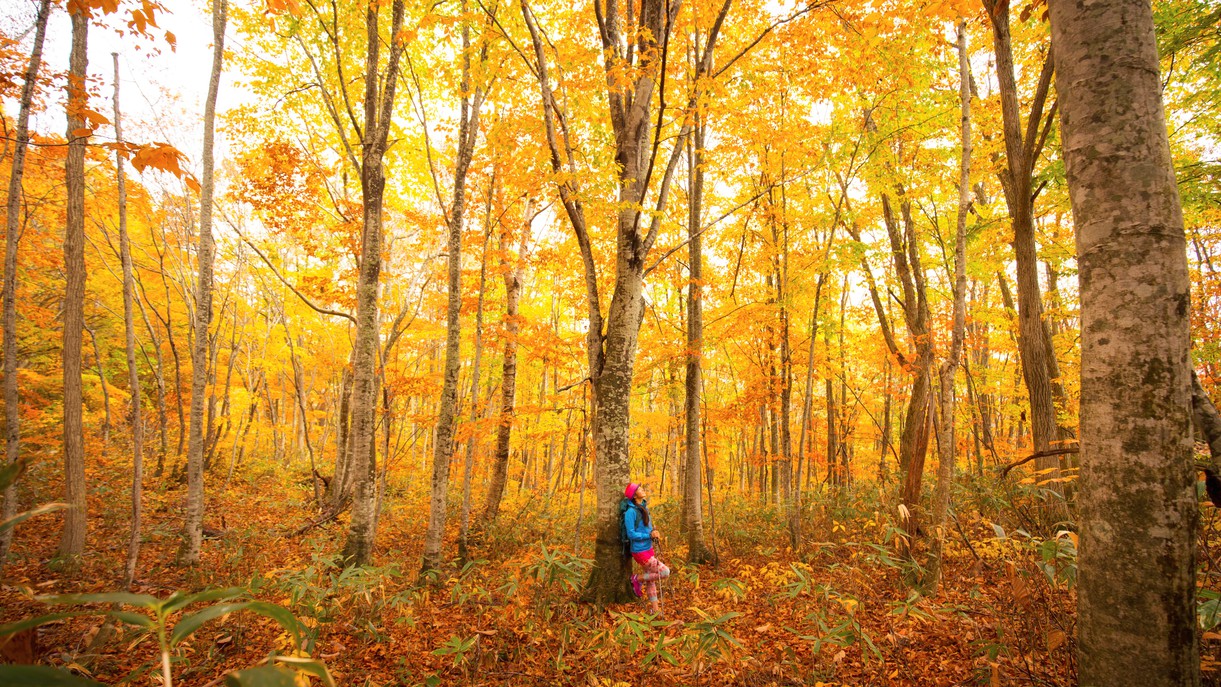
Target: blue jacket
(639, 535)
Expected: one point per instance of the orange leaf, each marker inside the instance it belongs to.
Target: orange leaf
(279, 6)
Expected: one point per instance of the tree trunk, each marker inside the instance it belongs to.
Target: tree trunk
(341, 483)
(97, 358)
(913, 441)
(12, 235)
(832, 419)
(803, 445)
(1137, 586)
(883, 470)
(945, 434)
(358, 548)
(1021, 152)
(72, 542)
(159, 374)
(468, 133)
(193, 532)
(129, 332)
(693, 512)
(302, 407)
(611, 350)
(469, 465)
(508, 384)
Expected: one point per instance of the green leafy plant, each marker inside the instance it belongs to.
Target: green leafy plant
(661, 650)
(728, 586)
(628, 631)
(844, 632)
(149, 615)
(1208, 609)
(910, 608)
(557, 569)
(327, 589)
(709, 638)
(457, 649)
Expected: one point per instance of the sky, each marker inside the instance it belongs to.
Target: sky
(161, 90)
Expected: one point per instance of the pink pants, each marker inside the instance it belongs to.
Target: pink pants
(654, 570)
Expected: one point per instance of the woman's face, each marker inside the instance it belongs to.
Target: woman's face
(641, 493)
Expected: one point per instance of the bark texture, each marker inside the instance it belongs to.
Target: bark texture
(1136, 594)
(72, 541)
(378, 107)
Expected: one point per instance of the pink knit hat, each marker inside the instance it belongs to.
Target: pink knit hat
(631, 490)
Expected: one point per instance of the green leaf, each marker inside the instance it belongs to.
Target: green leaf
(309, 665)
(279, 614)
(22, 517)
(177, 600)
(14, 628)
(188, 625)
(122, 598)
(42, 676)
(262, 676)
(132, 618)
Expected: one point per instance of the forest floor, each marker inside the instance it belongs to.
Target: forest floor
(837, 613)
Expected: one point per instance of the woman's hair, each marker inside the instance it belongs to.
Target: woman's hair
(644, 508)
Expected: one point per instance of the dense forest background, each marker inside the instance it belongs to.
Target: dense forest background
(764, 257)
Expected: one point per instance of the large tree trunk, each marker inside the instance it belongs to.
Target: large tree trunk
(12, 235)
(693, 511)
(129, 333)
(72, 541)
(1136, 594)
(612, 431)
(359, 545)
(193, 535)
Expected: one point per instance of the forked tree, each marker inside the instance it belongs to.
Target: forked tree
(635, 40)
(375, 132)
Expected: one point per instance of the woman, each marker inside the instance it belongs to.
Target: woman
(638, 526)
